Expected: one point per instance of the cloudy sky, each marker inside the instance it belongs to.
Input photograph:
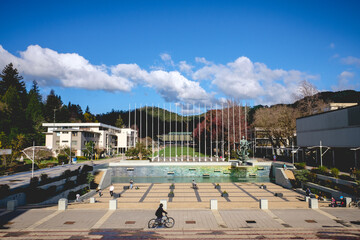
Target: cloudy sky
(109, 54)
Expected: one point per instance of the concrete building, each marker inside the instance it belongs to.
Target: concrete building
(337, 131)
(76, 135)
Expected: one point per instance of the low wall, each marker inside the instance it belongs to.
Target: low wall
(64, 194)
(20, 197)
(333, 192)
(106, 178)
(336, 180)
(59, 184)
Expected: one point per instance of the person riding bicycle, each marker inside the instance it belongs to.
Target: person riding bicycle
(159, 213)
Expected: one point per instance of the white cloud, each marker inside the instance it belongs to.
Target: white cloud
(202, 60)
(186, 68)
(343, 81)
(350, 60)
(49, 67)
(167, 59)
(243, 79)
(332, 45)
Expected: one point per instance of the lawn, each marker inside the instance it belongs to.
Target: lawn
(178, 151)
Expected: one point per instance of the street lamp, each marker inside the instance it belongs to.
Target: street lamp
(321, 153)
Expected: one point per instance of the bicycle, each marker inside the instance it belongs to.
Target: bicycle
(355, 203)
(166, 221)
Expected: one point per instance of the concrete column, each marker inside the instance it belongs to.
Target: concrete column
(164, 202)
(333, 155)
(307, 198)
(347, 201)
(11, 205)
(112, 204)
(62, 204)
(213, 204)
(92, 200)
(313, 203)
(264, 204)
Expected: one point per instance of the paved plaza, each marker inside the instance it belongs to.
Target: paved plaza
(237, 217)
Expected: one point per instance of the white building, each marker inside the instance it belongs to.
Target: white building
(76, 135)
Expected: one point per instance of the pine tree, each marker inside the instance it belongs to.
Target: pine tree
(34, 110)
(53, 105)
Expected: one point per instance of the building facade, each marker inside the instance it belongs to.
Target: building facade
(76, 135)
(338, 131)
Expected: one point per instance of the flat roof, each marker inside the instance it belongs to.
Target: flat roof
(80, 125)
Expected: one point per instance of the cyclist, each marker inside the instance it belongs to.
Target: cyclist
(159, 213)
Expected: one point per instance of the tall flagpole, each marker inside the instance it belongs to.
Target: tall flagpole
(205, 129)
(199, 134)
(246, 136)
(239, 122)
(169, 133)
(182, 134)
(228, 131)
(146, 127)
(211, 139)
(222, 134)
(193, 148)
(136, 131)
(176, 133)
(129, 117)
(233, 108)
(158, 133)
(187, 130)
(140, 123)
(152, 131)
(164, 132)
(216, 134)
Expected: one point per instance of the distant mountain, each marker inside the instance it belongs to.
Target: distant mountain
(346, 96)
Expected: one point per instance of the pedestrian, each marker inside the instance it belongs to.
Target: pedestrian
(100, 193)
(111, 189)
(194, 185)
(274, 157)
(333, 202)
(78, 197)
(131, 183)
(308, 192)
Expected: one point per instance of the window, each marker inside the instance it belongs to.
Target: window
(65, 132)
(74, 134)
(74, 143)
(64, 141)
(57, 143)
(58, 134)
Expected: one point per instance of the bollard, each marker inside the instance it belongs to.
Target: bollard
(264, 204)
(62, 204)
(113, 204)
(307, 198)
(313, 203)
(213, 204)
(11, 205)
(347, 202)
(164, 202)
(92, 200)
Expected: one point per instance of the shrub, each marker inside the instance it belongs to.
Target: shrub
(62, 158)
(335, 172)
(4, 190)
(42, 165)
(71, 195)
(66, 174)
(69, 185)
(300, 166)
(323, 170)
(36, 195)
(34, 182)
(86, 168)
(81, 158)
(44, 178)
(357, 174)
(51, 191)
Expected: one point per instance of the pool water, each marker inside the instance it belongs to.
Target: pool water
(183, 174)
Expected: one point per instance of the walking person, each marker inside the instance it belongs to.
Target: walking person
(131, 183)
(100, 193)
(308, 192)
(111, 189)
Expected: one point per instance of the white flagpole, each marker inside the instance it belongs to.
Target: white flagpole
(222, 134)
(176, 136)
(246, 136)
(158, 133)
(199, 133)
(140, 122)
(216, 134)
(228, 131)
(152, 131)
(193, 148)
(169, 133)
(233, 108)
(187, 130)
(239, 122)
(182, 134)
(164, 131)
(146, 127)
(136, 132)
(205, 129)
(211, 139)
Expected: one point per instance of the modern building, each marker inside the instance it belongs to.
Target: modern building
(76, 135)
(335, 132)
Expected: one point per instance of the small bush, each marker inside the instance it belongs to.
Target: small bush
(4, 190)
(44, 178)
(335, 172)
(62, 158)
(86, 168)
(300, 166)
(357, 174)
(81, 158)
(323, 170)
(34, 182)
(71, 195)
(346, 177)
(51, 191)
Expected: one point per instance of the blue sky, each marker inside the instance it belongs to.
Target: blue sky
(109, 54)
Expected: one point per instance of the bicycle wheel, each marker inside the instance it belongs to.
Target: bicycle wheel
(169, 222)
(152, 223)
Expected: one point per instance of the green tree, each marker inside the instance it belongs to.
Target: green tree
(53, 106)
(138, 151)
(119, 122)
(89, 150)
(34, 110)
(10, 77)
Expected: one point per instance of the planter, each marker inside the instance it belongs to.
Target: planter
(337, 180)
(225, 195)
(171, 195)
